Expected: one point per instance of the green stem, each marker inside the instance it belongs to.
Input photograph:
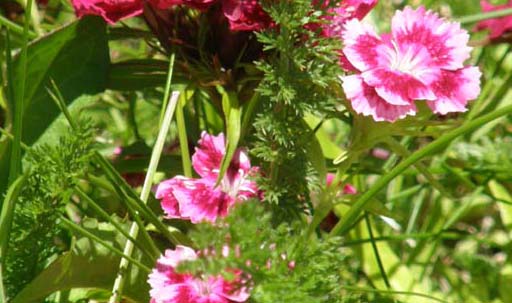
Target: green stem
(351, 216)
(146, 189)
(15, 28)
(15, 160)
(167, 91)
(182, 137)
(376, 251)
(80, 230)
(90, 202)
(484, 16)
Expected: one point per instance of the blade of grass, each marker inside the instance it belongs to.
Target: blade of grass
(130, 199)
(146, 188)
(90, 202)
(182, 137)
(6, 217)
(15, 28)
(376, 251)
(57, 97)
(82, 231)
(392, 292)
(233, 128)
(484, 16)
(351, 216)
(19, 100)
(167, 91)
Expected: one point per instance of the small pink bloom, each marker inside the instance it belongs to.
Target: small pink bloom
(342, 12)
(380, 153)
(245, 15)
(110, 10)
(169, 286)
(422, 59)
(199, 199)
(497, 26)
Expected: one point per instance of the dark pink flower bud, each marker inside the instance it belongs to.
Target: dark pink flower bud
(110, 10)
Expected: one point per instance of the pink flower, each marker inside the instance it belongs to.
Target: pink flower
(344, 11)
(169, 286)
(422, 59)
(497, 26)
(110, 10)
(199, 199)
(245, 15)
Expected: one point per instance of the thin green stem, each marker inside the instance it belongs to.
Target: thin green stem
(15, 28)
(351, 216)
(82, 231)
(484, 16)
(90, 202)
(15, 160)
(167, 91)
(376, 251)
(146, 189)
(182, 136)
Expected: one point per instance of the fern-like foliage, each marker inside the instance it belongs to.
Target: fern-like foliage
(281, 264)
(297, 74)
(52, 172)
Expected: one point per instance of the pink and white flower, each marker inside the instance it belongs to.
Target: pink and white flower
(170, 286)
(199, 199)
(496, 26)
(422, 59)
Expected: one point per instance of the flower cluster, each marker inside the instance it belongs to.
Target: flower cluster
(170, 286)
(200, 199)
(422, 59)
(497, 26)
(242, 15)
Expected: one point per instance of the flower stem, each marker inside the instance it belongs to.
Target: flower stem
(148, 182)
(352, 215)
(485, 16)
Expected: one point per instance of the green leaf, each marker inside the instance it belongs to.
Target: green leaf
(76, 57)
(233, 128)
(504, 203)
(87, 265)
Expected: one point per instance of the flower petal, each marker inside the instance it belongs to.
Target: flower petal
(363, 47)
(445, 41)
(397, 88)
(208, 156)
(454, 89)
(366, 101)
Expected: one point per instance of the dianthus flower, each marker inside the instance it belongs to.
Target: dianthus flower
(245, 15)
(110, 10)
(422, 59)
(169, 286)
(199, 199)
(497, 26)
(343, 11)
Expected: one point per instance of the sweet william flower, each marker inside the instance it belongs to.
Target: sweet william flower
(497, 26)
(199, 199)
(245, 15)
(422, 59)
(169, 286)
(110, 10)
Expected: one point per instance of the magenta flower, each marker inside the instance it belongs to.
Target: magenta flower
(199, 199)
(169, 286)
(245, 15)
(497, 26)
(422, 59)
(110, 10)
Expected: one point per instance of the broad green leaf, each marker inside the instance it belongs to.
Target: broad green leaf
(76, 57)
(87, 265)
